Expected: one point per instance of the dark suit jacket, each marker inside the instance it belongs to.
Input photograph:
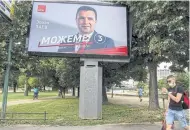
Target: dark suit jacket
(97, 41)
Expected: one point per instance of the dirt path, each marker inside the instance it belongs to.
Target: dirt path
(132, 101)
(24, 101)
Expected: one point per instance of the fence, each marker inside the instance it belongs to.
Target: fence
(11, 116)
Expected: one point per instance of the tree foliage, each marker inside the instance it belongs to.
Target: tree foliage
(162, 83)
(21, 81)
(33, 82)
(160, 34)
(183, 79)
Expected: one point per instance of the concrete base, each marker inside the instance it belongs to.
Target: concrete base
(90, 101)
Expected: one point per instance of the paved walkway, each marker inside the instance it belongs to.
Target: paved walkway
(103, 127)
(97, 127)
(132, 101)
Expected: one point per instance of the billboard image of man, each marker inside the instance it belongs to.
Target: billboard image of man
(87, 38)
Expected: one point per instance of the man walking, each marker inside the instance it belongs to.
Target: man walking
(174, 109)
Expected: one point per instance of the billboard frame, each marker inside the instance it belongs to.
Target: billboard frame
(4, 16)
(95, 56)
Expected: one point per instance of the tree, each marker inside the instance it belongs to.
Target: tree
(113, 74)
(68, 72)
(19, 29)
(14, 77)
(21, 81)
(141, 84)
(183, 79)
(158, 28)
(162, 83)
(33, 82)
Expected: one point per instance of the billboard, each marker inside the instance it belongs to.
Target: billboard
(6, 8)
(79, 29)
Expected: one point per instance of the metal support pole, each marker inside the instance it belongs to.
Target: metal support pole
(6, 80)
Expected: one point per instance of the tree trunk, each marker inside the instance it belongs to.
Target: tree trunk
(14, 87)
(29, 88)
(112, 92)
(26, 87)
(44, 88)
(64, 92)
(153, 88)
(104, 94)
(73, 94)
(78, 92)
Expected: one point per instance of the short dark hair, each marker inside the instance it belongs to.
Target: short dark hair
(86, 8)
(170, 76)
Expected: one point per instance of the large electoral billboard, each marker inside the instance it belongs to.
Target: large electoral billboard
(79, 29)
(6, 8)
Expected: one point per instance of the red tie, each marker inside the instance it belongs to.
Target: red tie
(82, 47)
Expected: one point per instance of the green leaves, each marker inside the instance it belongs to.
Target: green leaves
(33, 82)
(183, 79)
(69, 72)
(161, 28)
(162, 83)
(21, 81)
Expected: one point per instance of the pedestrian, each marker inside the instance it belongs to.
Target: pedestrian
(140, 93)
(174, 110)
(36, 91)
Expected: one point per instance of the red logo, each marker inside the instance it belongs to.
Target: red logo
(41, 8)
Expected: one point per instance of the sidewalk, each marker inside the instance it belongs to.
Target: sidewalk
(98, 127)
(102, 127)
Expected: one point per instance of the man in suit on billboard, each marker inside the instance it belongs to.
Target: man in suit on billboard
(86, 19)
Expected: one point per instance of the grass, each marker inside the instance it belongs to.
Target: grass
(18, 96)
(65, 112)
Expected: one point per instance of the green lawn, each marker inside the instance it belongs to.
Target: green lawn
(16, 96)
(65, 112)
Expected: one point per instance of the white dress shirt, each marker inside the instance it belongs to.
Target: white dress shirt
(77, 46)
